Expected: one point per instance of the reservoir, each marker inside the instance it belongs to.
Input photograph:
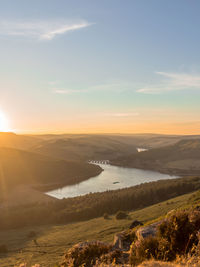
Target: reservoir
(111, 178)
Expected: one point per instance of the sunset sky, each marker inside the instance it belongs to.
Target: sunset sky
(100, 66)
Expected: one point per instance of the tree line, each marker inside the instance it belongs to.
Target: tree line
(96, 204)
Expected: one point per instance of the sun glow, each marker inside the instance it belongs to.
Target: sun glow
(3, 123)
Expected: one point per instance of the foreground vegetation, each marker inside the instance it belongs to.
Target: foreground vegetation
(177, 235)
(53, 240)
(96, 204)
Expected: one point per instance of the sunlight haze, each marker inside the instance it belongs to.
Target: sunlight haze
(109, 66)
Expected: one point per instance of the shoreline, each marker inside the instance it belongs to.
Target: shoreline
(53, 186)
(168, 171)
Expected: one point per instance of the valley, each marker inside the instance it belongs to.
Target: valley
(138, 183)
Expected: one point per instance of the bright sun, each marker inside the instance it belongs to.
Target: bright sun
(3, 123)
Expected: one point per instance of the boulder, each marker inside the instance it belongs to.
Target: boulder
(149, 230)
(121, 242)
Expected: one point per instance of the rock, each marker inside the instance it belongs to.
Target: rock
(120, 241)
(146, 231)
(135, 223)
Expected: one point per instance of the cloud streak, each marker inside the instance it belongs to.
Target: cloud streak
(40, 30)
(115, 87)
(172, 82)
(69, 91)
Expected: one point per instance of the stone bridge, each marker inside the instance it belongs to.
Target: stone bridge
(103, 161)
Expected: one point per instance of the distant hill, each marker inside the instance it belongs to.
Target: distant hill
(105, 146)
(86, 147)
(18, 167)
(181, 158)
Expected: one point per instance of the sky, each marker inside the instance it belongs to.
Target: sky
(100, 66)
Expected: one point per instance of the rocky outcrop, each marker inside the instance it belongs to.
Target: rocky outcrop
(149, 230)
(135, 224)
(121, 242)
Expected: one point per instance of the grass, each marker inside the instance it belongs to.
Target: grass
(53, 240)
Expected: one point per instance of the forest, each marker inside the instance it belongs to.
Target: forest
(96, 204)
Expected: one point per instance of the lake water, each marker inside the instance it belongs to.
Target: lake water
(110, 179)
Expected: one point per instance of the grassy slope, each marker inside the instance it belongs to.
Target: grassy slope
(53, 240)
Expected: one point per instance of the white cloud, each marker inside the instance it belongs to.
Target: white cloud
(172, 82)
(41, 30)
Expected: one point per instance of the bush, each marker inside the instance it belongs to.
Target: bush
(85, 253)
(121, 215)
(177, 235)
(3, 249)
(144, 249)
(178, 232)
(106, 216)
(114, 256)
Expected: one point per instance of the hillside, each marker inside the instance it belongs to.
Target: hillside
(94, 205)
(181, 158)
(18, 141)
(20, 167)
(53, 240)
(85, 147)
(88, 146)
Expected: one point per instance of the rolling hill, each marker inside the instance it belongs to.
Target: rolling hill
(180, 158)
(85, 147)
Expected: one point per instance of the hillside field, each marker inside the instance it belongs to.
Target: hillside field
(53, 240)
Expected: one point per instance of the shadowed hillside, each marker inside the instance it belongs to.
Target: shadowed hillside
(18, 167)
(182, 158)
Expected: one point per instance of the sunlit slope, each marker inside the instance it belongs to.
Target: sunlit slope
(182, 157)
(17, 141)
(22, 167)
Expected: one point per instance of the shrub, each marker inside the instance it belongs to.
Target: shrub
(144, 249)
(106, 216)
(114, 256)
(177, 235)
(3, 249)
(178, 231)
(121, 215)
(85, 253)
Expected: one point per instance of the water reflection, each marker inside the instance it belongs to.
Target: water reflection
(110, 179)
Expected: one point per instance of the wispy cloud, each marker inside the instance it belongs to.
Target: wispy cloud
(68, 91)
(41, 30)
(172, 82)
(116, 87)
